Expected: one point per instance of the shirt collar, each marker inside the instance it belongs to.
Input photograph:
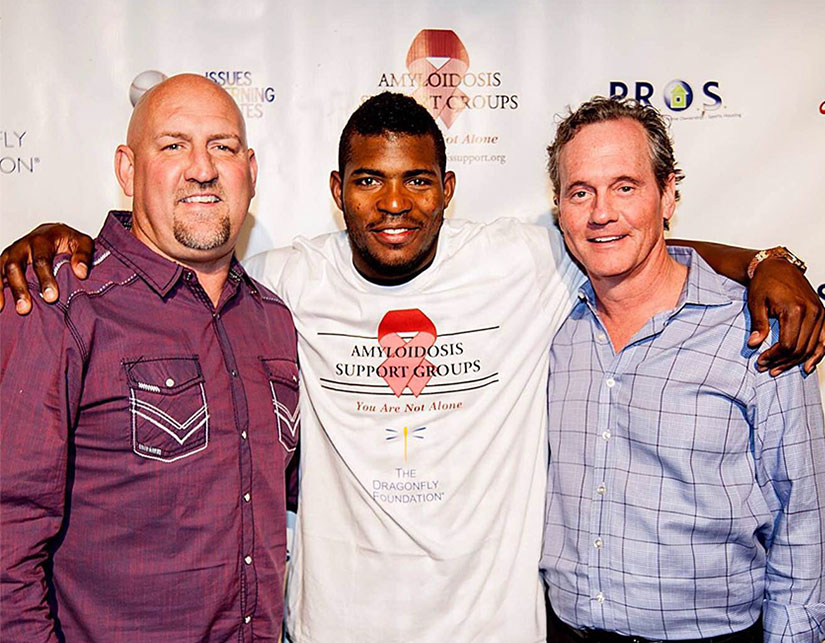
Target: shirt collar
(703, 286)
(160, 273)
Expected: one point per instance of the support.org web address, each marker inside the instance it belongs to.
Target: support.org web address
(469, 159)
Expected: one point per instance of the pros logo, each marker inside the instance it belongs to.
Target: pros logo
(438, 67)
(822, 107)
(677, 95)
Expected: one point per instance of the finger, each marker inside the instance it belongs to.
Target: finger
(760, 326)
(82, 249)
(794, 331)
(42, 257)
(818, 353)
(19, 289)
(813, 339)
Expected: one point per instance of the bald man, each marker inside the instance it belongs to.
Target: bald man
(150, 418)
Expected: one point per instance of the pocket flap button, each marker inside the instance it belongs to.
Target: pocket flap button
(170, 382)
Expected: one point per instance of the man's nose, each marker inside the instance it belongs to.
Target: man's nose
(394, 199)
(602, 211)
(201, 167)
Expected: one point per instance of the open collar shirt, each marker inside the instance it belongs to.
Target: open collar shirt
(686, 490)
(145, 439)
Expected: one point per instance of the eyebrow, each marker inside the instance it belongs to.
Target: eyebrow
(213, 137)
(626, 179)
(619, 179)
(361, 171)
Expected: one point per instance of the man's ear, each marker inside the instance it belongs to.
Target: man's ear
(253, 169)
(449, 188)
(669, 198)
(336, 186)
(125, 169)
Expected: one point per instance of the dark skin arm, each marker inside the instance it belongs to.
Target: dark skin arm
(777, 289)
(801, 316)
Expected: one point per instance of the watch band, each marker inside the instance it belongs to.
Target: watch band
(781, 252)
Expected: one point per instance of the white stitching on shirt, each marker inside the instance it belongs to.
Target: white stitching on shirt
(133, 405)
(58, 266)
(283, 414)
(63, 262)
(101, 289)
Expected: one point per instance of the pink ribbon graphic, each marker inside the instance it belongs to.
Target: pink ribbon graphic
(438, 90)
(406, 363)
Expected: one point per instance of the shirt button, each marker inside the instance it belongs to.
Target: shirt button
(601, 337)
(599, 597)
(598, 543)
(234, 373)
(610, 382)
(601, 489)
(248, 560)
(247, 619)
(606, 435)
(170, 382)
(247, 497)
(243, 434)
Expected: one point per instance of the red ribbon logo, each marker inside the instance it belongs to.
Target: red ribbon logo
(438, 90)
(406, 365)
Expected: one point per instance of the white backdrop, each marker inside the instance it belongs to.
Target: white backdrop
(744, 82)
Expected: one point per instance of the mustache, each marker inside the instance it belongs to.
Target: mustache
(196, 187)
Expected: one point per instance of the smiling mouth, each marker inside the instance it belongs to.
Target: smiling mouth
(201, 198)
(615, 237)
(394, 236)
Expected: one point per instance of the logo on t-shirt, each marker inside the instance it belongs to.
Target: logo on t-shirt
(406, 366)
(408, 358)
(405, 436)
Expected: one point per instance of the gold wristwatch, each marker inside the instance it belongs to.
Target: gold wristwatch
(780, 252)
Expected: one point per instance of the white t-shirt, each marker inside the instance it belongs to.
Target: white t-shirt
(423, 446)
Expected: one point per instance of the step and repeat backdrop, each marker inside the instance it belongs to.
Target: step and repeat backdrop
(743, 83)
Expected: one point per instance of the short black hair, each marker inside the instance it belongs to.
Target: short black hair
(389, 114)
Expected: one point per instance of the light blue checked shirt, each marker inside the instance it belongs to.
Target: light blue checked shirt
(686, 490)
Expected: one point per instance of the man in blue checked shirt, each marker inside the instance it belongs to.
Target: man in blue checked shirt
(686, 495)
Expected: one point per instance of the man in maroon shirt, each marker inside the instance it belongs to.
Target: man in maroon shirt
(149, 418)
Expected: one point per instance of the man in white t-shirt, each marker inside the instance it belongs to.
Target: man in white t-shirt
(423, 346)
(424, 353)
(424, 366)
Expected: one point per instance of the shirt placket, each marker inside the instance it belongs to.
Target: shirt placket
(605, 364)
(248, 574)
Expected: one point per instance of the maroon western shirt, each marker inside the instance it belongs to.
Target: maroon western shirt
(145, 437)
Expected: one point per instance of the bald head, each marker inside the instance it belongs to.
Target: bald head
(188, 169)
(178, 90)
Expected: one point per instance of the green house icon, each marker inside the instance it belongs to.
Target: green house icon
(678, 97)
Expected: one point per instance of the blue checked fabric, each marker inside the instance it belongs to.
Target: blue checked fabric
(686, 490)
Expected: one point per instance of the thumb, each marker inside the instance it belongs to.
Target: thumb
(760, 326)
